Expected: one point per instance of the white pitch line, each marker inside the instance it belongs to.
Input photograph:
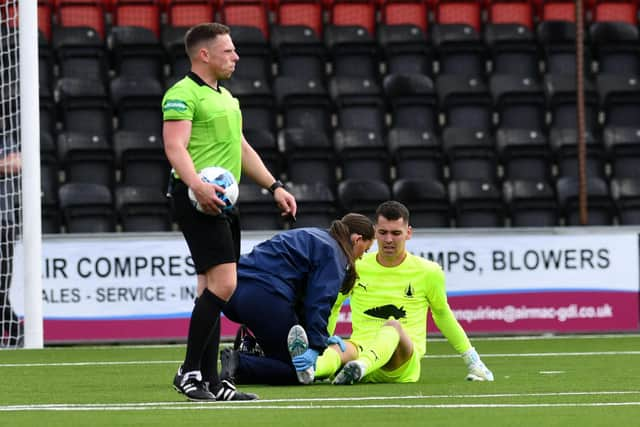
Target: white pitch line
(267, 403)
(217, 406)
(428, 356)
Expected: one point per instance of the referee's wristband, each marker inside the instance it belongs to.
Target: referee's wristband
(277, 184)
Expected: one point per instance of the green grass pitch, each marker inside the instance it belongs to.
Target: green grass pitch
(540, 381)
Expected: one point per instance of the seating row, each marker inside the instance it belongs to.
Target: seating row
(89, 208)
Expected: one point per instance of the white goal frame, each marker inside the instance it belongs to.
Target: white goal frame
(30, 145)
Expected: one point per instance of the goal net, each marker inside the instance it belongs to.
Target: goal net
(10, 174)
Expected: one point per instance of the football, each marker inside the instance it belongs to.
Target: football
(223, 178)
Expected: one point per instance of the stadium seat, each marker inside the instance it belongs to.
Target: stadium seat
(142, 209)
(136, 52)
(303, 103)
(87, 208)
(561, 98)
(427, 200)
(81, 14)
(45, 15)
(86, 158)
(84, 106)
(256, 101)
(306, 13)
(362, 196)
(49, 173)
(558, 10)
(246, 13)
(616, 47)
(524, 154)
(416, 154)
(626, 196)
(186, 13)
(519, 101)
(257, 210)
(264, 143)
(531, 203)
(361, 13)
(467, 12)
(619, 99)
(412, 101)
(362, 154)
(172, 41)
(511, 12)
(459, 50)
(558, 42)
(254, 51)
(136, 103)
(316, 205)
(615, 11)
(80, 53)
(470, 154)
(310, 156)
(477, 203)
(48, 114)
(601, 210)
(353, 51)
(512, 49)
(141, 159)
(564, 144)
(299, 52)
(405, 13)
(45, 64)
(359, 103)
(465, 101)
(623, 148)
(405, 49)
(137, 13)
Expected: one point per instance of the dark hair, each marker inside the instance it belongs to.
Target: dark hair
(203, 32)
(393, 210)
(341, 230)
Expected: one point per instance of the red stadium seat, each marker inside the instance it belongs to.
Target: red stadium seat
(138, 13)
(76, 13)
(44, 18)
(558, 11)
(511, 12)
(402, 12)
(301, 12)
(185, 13)
(617, 11)
(250, 13)
(361, 13)
(460, 12)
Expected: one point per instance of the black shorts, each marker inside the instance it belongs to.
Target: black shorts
(212, 239)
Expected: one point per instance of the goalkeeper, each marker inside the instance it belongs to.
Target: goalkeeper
(389, 307)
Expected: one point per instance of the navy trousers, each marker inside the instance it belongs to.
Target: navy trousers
(269, 316)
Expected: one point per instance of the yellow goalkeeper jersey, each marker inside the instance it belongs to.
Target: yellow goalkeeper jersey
(405, 292)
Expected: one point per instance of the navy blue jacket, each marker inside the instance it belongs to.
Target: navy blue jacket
(305, 266)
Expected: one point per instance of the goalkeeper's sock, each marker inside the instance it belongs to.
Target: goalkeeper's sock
(327, 363)
(377, 353)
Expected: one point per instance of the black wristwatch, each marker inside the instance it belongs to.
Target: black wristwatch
(275, 185)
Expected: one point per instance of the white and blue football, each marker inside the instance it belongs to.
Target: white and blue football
(223, 178)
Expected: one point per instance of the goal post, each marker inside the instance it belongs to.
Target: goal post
(30, 143)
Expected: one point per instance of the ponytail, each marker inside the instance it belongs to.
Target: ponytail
(341, 230)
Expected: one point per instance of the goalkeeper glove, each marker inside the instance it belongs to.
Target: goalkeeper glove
(337, 340)
(477, 369)
(306, 360)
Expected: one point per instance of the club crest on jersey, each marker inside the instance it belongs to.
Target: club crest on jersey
(408, 291)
